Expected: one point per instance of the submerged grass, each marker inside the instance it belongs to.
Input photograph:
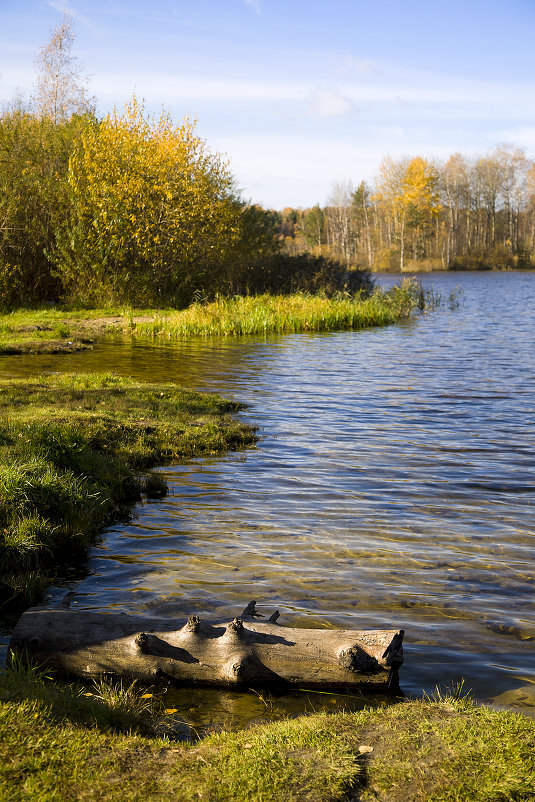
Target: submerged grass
(71, 449)
(261, 314)
(58, 743)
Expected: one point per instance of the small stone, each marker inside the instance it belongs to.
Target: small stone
(517, 697)
(363, 749)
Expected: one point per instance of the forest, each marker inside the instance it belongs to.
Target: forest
(463, 214)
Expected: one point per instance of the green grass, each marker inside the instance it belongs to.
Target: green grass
(57, 743)
(262, 314)
(56, 330)
(62, 330)
(71, 449)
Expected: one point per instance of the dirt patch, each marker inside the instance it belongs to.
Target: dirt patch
(100, 325)
(46, 347)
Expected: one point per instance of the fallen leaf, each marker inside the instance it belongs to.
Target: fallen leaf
(146, 696)
(170, 710)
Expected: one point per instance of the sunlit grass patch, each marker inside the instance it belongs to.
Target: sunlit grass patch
(67, 742)
(62, 330)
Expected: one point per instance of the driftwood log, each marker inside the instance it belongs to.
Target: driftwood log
(241, 652)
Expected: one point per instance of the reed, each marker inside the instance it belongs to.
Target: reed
(262, 314)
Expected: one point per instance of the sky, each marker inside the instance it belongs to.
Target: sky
(301, 95)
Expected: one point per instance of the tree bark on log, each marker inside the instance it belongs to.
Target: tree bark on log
(241, 652)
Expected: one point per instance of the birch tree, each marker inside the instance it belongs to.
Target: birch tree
(60, 90)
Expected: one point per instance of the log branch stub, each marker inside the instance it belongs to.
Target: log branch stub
(195, 629)
(357, 660)
(149, 644)
(273, 617)
(141, 640)
(235, 669)
(251, 611)
(393, 653)
(235, 631)
(193, 624)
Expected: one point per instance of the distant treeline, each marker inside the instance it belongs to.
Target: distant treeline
(463, 214)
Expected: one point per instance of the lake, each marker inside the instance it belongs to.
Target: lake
(393, 485)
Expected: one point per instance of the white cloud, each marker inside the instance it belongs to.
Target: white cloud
(171, 88)
(355, 64)
(329, 103)
(254, 4)
(523, 136)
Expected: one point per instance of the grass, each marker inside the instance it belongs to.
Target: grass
(60, 330)
(262, 314)
(71, 450)
(57, 742)
(55, 330)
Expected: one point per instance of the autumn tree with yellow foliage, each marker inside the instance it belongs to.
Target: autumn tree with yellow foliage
(154, 213)
(410, 192)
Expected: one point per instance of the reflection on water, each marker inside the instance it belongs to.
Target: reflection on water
(393, 486)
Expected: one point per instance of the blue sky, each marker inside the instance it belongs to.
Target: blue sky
(300, 95)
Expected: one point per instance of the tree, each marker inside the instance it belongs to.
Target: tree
(60, 89)
(314, 227)
(153, 211)
(34, 203)
(339, 224)
(409, 192)
(361, 218)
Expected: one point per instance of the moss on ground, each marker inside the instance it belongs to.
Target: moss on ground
(57, 744)
(71, 449)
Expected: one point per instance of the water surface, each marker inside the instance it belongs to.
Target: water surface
(393, 486)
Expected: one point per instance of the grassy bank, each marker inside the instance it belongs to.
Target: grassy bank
(62, 330)
(56, 744)
(71, 449)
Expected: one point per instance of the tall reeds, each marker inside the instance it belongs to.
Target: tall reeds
(261, 314)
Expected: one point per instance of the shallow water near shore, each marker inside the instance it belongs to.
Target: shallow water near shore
(393, 486)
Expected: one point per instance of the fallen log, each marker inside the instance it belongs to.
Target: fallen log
(241, 652)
